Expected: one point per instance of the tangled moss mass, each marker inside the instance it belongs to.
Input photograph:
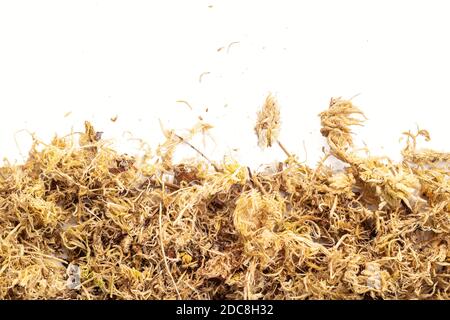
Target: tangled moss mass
(80, 221)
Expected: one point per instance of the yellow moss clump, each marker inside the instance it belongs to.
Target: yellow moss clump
(268, 122)
(80, 221)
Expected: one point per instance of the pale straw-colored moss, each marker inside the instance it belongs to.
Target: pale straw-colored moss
(80, 221)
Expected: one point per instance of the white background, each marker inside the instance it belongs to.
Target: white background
(135, 59)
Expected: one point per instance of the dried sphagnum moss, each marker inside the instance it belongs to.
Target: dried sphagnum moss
(80, 221)
(268, 122)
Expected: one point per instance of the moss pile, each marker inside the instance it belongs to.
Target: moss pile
(80, 221)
